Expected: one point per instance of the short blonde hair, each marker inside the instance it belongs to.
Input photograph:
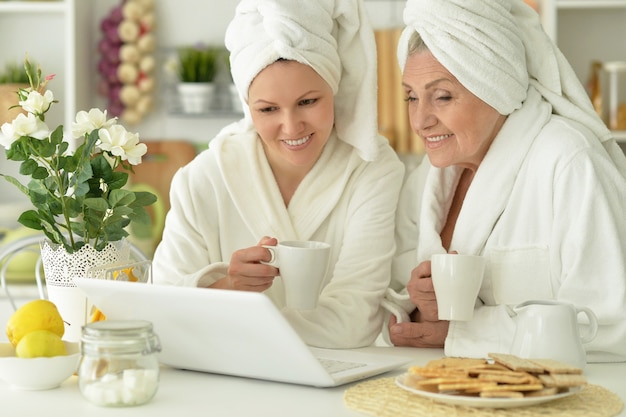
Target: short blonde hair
(416, 44)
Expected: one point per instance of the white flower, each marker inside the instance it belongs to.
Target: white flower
(88, 122)
(36, 103)
(23, 125)
(108, 213)
(6, 135)
(117, 140)
(104, 187)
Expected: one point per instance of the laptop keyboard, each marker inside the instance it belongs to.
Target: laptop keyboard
(334, 366)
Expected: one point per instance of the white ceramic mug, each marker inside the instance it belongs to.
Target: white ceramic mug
(302, 266)
(457, 280)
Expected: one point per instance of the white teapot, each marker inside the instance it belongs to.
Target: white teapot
(550, 329)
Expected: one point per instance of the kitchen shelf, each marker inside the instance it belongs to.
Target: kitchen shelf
(32, 6)
(211, 114)
(585, 31)
(590, 4)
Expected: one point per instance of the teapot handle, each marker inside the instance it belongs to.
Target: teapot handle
(593, 324)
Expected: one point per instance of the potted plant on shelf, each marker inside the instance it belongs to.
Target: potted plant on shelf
(12, 79)
(197, 67)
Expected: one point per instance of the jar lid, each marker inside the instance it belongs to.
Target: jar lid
(120, 336)
(615, 66)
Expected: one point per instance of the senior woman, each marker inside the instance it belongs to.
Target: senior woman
(305, 163)
(519, 169)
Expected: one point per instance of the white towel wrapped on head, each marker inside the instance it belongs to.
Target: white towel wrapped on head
(334, 37)
(498, 50)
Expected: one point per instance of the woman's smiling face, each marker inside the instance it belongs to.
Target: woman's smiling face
(292, 109)
(456, 127)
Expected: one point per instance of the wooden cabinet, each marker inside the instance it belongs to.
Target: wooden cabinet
(57, 35)
(587, 31)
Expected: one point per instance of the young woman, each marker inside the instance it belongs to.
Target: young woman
(305, 163)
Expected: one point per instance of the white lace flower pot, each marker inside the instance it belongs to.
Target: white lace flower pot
(60, 267)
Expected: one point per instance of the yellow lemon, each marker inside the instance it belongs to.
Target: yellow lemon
(40, 343)
(34, 315)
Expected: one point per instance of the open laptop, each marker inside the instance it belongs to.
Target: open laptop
(231, 332)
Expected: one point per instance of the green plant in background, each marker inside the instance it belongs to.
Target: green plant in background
(14, 74)
(199, 63)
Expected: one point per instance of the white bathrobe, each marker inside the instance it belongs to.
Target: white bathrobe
(547, 207)
(227, 199)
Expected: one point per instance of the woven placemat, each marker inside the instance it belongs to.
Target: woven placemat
(383, 398)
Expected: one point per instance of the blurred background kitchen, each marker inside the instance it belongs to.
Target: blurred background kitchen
(86, 42)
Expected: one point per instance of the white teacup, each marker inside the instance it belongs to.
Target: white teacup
(302, 266)
(457, 280)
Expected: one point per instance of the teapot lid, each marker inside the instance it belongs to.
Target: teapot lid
(555, 303)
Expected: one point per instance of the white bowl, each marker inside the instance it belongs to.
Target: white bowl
(37, 373)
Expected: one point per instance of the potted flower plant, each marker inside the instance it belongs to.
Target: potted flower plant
(78, 198)
(197, 67)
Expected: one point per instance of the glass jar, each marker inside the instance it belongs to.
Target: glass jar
(119, 365)
(616, 74)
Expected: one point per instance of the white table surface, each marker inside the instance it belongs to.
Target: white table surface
(187, 393)
(190, 394)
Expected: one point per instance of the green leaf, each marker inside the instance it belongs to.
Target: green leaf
(15, 153)
(55, 235)
(101, 167)
(68, 163)
(121, 198)
(57, 138)
(99, 204)
(30, 219)
(117, 180)
(46, 148)
(74, 207)
(38, 186)
(15, 182)
(40, 173)
(28, 167)
(39, 200)
(81, 189)
(144, 198)
(92, 223)
(114, 234)
(141, 216)
(122, 211)
(78, 227)
(83, 171)
(90, 143)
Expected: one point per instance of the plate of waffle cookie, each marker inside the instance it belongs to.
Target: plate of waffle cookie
(499, 381)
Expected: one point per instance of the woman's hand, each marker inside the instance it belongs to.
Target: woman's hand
(425, 328)
(422, 292)
(246, 272)
(425, 334)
